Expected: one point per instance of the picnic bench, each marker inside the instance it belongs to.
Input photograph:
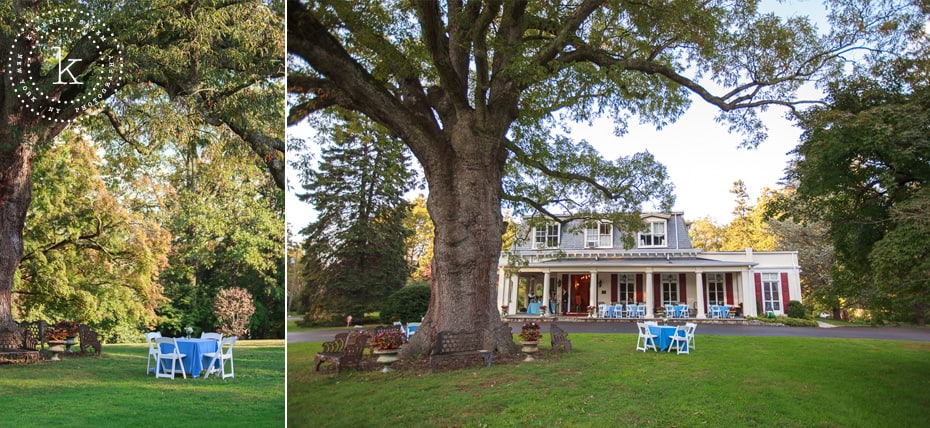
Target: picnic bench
(457, 345)
(345, 349)
(559, 338)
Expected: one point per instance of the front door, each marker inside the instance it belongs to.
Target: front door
(580, 293)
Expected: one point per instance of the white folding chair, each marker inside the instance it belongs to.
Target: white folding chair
(691, 327)
(646, 339)
(149, 338)
(411, 328)
(223, 356)
(679, 340)
(214, 336)
(174, 356)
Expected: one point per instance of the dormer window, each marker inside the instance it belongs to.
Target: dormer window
(600, 235)
(654, 235)
(547, 236)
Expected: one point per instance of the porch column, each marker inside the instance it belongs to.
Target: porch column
(649, 297)
(592, 290)
(514, 285)
(749, 294)
(545, 299)
(501, 288)
(699, 279)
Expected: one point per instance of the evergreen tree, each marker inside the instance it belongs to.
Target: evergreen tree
(357, 247)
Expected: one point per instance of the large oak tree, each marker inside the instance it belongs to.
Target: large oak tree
(476, 90)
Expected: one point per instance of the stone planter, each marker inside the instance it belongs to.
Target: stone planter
(386, 357)
(530, 347)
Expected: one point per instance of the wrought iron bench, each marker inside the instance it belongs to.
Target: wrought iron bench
(457, 345)
(344, 350)
(89, 339)
(17, 345)
(559, 338)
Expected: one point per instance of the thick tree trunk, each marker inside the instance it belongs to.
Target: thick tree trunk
(465, 205)
(15, 197)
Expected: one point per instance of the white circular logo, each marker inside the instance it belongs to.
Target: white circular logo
(64, 60)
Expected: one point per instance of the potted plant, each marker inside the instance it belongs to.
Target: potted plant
(70, 328)
(591, 310)
(529, 334)
(387, 340)
(542, 310)
(504, 310)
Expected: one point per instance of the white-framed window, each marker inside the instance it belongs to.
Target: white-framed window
(600, 235)
(771, 292)
(669, 288)
(626, 284)
(547, 236)
(654, 235)
(716, 294)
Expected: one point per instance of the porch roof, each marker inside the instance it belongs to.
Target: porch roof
(600, 263)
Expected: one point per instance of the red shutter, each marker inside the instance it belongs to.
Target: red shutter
(758, 278)
(639, 287)
(786, 297)
(683, 288)
(613, 287)
(656, 289)
(729, 285)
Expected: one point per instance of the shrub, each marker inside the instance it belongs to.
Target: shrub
(233, 309)
(407, 304)
(781, 319)
(796, 310)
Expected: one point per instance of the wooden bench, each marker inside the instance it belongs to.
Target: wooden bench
(345, 349)
(559, 338)
(457, 345)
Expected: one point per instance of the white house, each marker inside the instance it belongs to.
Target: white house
(569, 268)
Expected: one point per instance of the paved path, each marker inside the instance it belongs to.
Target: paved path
(889, 333)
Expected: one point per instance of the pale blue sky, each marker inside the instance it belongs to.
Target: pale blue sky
(702, 158)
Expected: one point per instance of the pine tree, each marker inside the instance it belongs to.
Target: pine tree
(356, 250)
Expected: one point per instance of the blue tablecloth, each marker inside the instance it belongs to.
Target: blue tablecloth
(193, 349)
(533, 309)
(663, 333)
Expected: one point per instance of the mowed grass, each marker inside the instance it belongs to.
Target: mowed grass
(725, 381)
(114, 391)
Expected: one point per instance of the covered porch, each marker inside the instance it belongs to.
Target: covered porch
(603, 287)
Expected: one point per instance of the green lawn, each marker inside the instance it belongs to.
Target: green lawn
(725, 381)
(114, 391)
